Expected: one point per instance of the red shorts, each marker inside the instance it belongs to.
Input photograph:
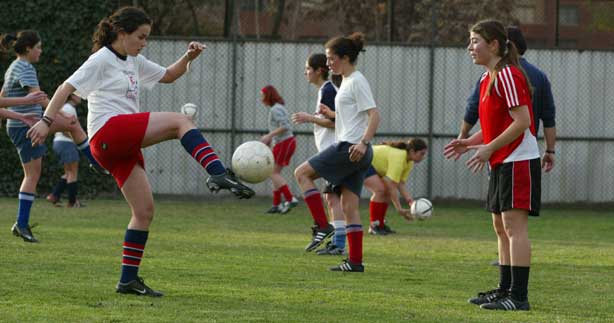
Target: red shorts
(117, 145)
(283, 151)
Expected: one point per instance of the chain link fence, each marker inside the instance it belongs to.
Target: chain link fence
(421, 92)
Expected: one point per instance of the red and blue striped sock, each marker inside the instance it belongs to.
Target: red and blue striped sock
(84, 148)
(196, 145)
(134, 246)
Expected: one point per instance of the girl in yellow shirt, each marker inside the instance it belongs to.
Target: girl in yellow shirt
(390, 168)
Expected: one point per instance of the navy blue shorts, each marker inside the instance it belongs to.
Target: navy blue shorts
(334, 165)
(370, 172)
(26, 152)
(66, 150)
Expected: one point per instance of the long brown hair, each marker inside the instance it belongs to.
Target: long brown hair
(492, 30)
(415, 144)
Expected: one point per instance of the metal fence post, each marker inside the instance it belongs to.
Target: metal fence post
(429, 182)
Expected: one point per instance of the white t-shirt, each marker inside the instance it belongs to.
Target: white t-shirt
(111, 85)
(353, 100)
(68, 109)
(323, 136)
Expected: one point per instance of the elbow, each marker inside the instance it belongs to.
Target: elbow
(524, 124)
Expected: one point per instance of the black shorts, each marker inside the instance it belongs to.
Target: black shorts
(331, 189)
(515, 185)
(334, 165)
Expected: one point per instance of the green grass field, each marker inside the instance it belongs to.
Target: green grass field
(225, 261)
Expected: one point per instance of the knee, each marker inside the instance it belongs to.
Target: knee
(299, 174)
(144, 213)
(500, 230)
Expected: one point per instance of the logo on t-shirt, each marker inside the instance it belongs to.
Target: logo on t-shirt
(133, 85)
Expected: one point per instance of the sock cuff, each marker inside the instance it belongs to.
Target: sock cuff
(353, 228)
(311, 192)
(26, 196)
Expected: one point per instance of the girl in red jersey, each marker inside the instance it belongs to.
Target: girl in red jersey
(284, 144)
(507, 142)
(111, 79)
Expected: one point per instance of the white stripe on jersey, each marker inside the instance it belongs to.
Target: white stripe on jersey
(509, 87)
(511, 80)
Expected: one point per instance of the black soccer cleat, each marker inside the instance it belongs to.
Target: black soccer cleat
(347, 266)
(275, 209)
(289, 205)
(229, 181)
(24, 233)
(488, 297)
(375, 230)
(319, 237)
(330, 250)
(137, 287)
(507, 304)
(388, 230)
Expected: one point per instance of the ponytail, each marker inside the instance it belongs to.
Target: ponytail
(492, 30)
(415, 144)
(21, 42)
(104, 35)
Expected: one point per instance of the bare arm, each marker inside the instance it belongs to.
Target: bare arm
(40, 130)
(464, 131)
(38, 97)
(405, 193)
(304, 117)
(548, 159)
(358, 151)
(44, 102)
(177, 69)
(522, 121)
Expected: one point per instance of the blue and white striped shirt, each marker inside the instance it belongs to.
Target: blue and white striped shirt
(18, 79)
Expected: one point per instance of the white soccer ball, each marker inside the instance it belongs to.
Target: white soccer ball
(189, 109)
(253, 162)
(422, 208)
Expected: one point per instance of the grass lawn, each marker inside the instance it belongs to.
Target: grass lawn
(225, 261)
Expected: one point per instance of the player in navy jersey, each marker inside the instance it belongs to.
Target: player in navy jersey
(346, 162)
(111, 79)
(20, 79)
(282, 139)
(507, 142)
(323, 119)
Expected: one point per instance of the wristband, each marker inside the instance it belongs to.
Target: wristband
(550, 151)
(47, 120)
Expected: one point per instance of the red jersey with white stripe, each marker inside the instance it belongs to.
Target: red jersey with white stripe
(509, 90)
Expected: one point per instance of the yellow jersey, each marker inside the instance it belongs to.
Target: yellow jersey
(392, 163)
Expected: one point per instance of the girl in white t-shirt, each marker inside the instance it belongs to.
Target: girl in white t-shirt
(345, 163)
(111, 80)
(316, 72)
(68, 155)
